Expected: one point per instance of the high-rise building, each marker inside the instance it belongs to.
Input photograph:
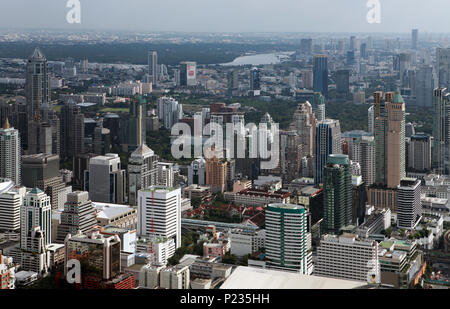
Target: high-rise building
(337, 198)
(216, 174)
(42, 171)
(159, 214)
(288, 238)
(371, 119)
(10, 153)
(188, 73)
(409, 204)
(328, 141)
(343, 84)
(165, 174)
(255, 79)
(106, 179)
(37, 83)
(11, 201)
(441, 131)
(443, 67)
(419, 153)
(153, 66)
(142, 171)
(304, 124)
(424, 86)
(197, 172)
(348, 257)
(389, 113)
(136, 125)
(72, 130)
(306, 46)
(320, 71)
(414, 38)
(404, 62)
(35, 231)
(169, 111)
(233, 80)
(363, 152)
(78, 215)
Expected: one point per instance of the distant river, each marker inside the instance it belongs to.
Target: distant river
(260, 59)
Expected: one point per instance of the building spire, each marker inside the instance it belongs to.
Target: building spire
(6, 125)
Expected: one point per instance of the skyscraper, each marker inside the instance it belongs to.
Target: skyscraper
(153, 66)
(414, 38)
(363, 152)
(10, 153)
(328, 141)
(72, 130)
(169, 111)
(37, 83)
(288, 238)
(337, 199)
(320, 72)
(389, 113)
(78, 215)
(424, 85)
(106, 179)
(371, 119)
(419, 153)
(409, 204)
(188, 73)
(142, 172)
(304, 124)
(35, 231)
(441, 133)
(343, 84)
(159, 214)
(306, 46)
(255, 79)
(443, 67)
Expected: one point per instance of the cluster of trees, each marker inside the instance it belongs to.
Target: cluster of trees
(189, 245)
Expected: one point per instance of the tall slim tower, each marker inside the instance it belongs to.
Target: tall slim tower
(443, 67)
(72, 130)
(10, 153)
(441, 134)
(337, 199)
(305, 125)
(153, 66)
(320, 71)
(389, 113)
(328, 141)
(37, 83)
(414, 38)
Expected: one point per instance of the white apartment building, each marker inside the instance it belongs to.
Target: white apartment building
(10, 153)
(177, 278)
(11, 199)
(246, 242)
(409, 204)
(347, 257)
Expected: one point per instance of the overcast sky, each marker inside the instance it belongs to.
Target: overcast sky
(229, 15)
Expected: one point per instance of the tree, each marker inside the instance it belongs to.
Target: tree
(196, 202)
(230, 259)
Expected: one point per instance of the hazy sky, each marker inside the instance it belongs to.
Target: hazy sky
(230, 15)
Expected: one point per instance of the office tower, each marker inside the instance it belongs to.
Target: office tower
(35, 231)
(363, 50)
(304, 124)
(11, 200)
(98, 254)
(307, 79)
(216, 174)
(37, 83)
(371, 119)
(233, 80)
(441, 130)
(177, 77)
(72, 130)
(49, 116)
(348, 257)
(409, 204)
(10, 152)
(389, 113)
(169, 111)
(42, 171)
(290, 156)
(39, 137)
(165, 174)
(419, 154)
(78, 215)
(409, 130)
(363, 152)
(188, 73)
(424, 85)
(142, 171)
(337, 188)
(153, 66)
(352, 45)
(255, 79)
(443, 67)
(197, 172)
(320, 71)
(343, 84)
(136, 125)
(288, 238)
(159, 214)
(101, 139)
(414, 38)
(328, 141)
(351, 58)
(306, 46)
(106, 179)
(80, 165)
(404, 62)
(359, 200)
